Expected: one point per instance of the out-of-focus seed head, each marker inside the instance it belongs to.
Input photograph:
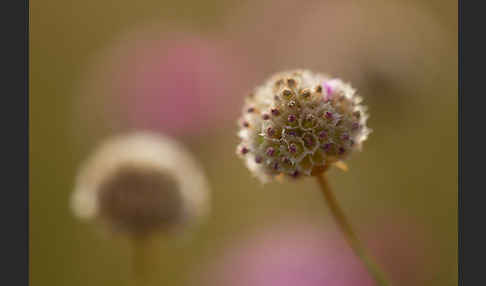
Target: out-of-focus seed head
(300, 123)
(141, 184)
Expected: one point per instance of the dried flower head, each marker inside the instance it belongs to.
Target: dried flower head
(141, 184)
(301, 123)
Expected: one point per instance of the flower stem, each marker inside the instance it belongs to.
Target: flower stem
(140, 261)
(349, 233)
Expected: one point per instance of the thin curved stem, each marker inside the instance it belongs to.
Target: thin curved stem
(349, 233)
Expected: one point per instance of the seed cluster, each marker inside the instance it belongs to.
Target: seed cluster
(298, 123)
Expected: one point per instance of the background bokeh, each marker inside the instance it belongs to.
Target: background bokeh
(99, 68)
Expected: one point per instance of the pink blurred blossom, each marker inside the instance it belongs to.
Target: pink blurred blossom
(299, 253)
(180, 83)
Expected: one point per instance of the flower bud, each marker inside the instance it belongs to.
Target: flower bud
(306, 119)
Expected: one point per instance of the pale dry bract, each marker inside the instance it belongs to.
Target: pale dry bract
(299, 123)
(141, 184)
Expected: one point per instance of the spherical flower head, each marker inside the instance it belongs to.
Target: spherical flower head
(141, 184)
(299, 123)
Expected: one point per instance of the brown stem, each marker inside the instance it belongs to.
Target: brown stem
(349, 233)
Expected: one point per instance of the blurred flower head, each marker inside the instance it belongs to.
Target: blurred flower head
(300, 122)
(300, 253)
(141, 184)
(179, 83)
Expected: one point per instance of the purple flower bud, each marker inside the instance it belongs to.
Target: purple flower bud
(291, 133)
(328, 115)
(265, 116)
(244, 150)
(323, 134)
(275, 112)
(275, 166)
(328, 88)
(270, 151)
(291, 118)
(258, 159)
(292, 148)
(327, 146)
(270, 131)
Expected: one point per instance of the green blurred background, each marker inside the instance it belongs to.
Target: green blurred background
(407, 170)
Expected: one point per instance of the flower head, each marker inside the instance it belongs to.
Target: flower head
(139, 184)
(299, 123)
